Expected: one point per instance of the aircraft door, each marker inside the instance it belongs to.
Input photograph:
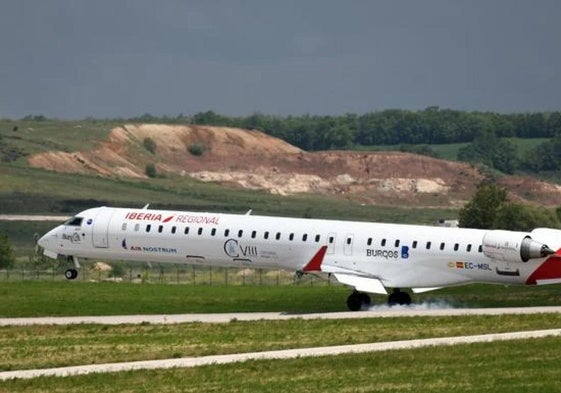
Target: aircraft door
(331, 239)
(348, 247)
(100, 230)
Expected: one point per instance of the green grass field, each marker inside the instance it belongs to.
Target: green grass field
(509, 367)
(43, 298)
(512, 366)
(28, 347)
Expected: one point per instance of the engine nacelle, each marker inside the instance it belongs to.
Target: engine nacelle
(513, 246)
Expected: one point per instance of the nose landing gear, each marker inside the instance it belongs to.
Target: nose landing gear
(72, 273)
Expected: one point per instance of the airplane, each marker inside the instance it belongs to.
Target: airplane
(366, 256)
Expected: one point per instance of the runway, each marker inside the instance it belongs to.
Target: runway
(381, 312)
(378, 312)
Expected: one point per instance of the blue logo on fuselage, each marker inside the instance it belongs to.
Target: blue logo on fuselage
(404, 252)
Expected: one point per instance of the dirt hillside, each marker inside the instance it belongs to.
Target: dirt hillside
(254, 160)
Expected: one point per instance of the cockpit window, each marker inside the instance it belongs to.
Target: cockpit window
(74, 222)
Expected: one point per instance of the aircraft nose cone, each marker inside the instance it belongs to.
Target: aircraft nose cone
(43, 241)
(48, 243)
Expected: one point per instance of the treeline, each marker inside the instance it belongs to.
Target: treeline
(415, 131)
(485, 132)
(388, 127)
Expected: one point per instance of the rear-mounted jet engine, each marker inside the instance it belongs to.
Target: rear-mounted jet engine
(513, 246)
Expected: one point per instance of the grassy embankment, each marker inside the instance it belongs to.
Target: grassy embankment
(449, 151)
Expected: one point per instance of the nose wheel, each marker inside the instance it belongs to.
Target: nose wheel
(71, 274)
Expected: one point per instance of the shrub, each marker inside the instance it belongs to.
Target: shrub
(196, 149)
(150, 145)
(151, 170)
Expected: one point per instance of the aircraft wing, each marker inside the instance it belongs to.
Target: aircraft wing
(362, 284)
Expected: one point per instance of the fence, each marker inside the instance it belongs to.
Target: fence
(168, 274)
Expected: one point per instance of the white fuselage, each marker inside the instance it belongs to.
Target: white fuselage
(397, 256)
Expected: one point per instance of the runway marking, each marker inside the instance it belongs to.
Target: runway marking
(387, 312)
(281, 354)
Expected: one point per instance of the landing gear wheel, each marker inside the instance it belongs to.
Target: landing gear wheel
(71, 274)
(399, 298)
(358, 300)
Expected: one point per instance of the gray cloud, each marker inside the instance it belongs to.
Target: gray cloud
(72, 59)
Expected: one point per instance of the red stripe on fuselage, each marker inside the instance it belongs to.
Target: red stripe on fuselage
(549, 269)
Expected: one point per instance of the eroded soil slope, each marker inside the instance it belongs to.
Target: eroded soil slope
(251, 159)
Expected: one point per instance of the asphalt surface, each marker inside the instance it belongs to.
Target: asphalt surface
(380, 312)
(13, 217)
(377, 312)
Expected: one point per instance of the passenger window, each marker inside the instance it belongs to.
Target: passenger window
(331, 239)
(173, 230)
(383, 242)
(291, 237)
(186, 231)
(124, 226)
(369, 241)
(442, 246)
(415, 244)
(136, 227)
(480, 249)
(304, 237)
(266, 235)
(240, 233)
(349, 240)
(468, 248)
(148, 227)
(213, 232)
(428, 245)
(318, 238)
(278, 236)
(396, 243)
(456, 247)
(253, 234)
(226, 233)
(200, 231)
(160, 228)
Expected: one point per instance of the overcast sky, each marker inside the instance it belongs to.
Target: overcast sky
(116, 58)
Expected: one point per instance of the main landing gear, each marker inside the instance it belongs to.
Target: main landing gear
(359, 300)
(72, 273)
(399, 298)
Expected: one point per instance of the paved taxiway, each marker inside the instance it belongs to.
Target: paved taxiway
(384, 312)
(378, 312)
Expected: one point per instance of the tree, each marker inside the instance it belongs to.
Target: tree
(516, 217)
(481, 211)
(7, 257)
(490, 209)
(492, 151)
